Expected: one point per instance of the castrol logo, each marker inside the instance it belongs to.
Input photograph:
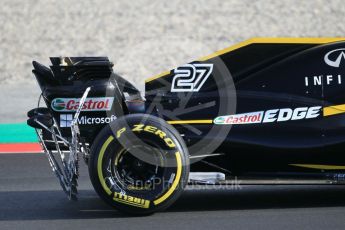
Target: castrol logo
(91, 104)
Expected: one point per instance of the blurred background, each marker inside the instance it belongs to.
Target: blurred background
(142, 37)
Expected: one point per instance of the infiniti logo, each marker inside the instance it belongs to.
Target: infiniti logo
(334, 57)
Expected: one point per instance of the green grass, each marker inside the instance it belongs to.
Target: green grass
(17, 133)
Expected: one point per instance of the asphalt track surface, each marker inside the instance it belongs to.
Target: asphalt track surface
(30, 198)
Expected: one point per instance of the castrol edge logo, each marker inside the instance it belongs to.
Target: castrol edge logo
(91, 104)
(273, 115)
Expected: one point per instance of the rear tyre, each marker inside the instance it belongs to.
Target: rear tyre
(139, 164)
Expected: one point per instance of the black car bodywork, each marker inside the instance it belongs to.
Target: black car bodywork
(272, 108)
(275, 79)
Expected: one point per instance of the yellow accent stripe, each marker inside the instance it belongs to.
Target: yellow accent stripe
(329, 167)
(99, 164)
(259, 40)
(157, 76)
(272, 40)
(333, 110)
(190, 122)
(175, 183)
(327, 111)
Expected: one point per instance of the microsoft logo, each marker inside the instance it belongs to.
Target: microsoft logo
(66, 120)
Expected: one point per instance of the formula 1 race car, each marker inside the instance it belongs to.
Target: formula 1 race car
(264, 111)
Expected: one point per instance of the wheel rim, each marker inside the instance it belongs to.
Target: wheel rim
(135, 174)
